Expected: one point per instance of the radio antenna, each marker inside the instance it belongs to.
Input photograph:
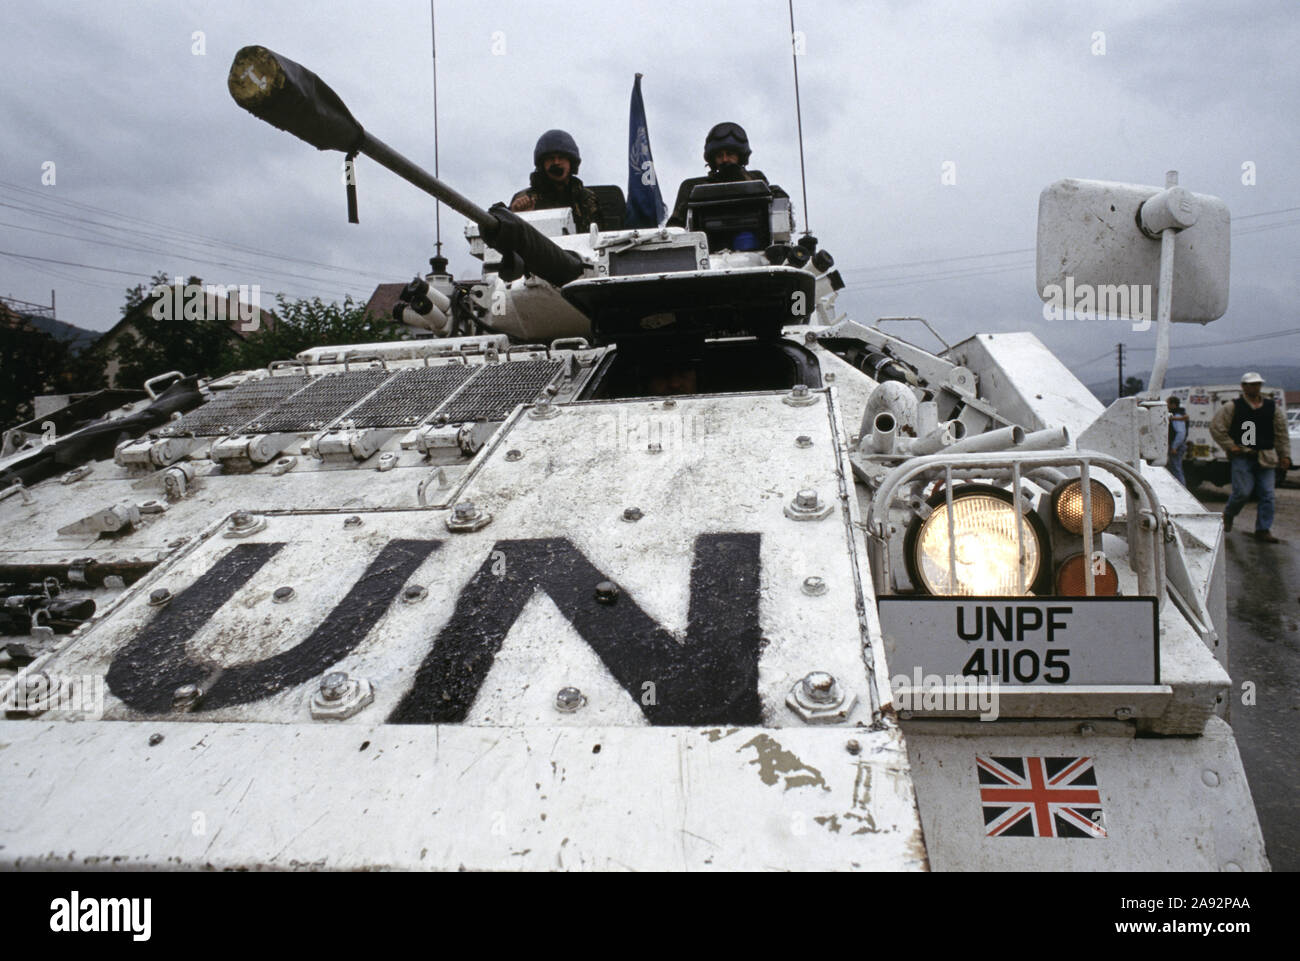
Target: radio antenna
(437, 207)
(798, 112)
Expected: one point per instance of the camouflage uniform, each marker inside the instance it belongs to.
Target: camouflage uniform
(546, 195)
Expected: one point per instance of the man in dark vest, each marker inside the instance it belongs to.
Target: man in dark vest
(726, 151)
(1252, 430)
(554, 182)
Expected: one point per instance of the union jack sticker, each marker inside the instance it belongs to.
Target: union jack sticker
(1040, 797)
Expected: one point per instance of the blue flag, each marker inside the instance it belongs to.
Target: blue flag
(645, 205)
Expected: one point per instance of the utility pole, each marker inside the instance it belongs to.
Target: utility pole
(1119, 356)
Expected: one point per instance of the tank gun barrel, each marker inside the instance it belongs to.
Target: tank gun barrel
(289, 96)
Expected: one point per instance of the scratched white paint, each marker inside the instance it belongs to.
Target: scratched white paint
(283, 797)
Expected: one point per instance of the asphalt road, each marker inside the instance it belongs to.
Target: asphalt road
(1264, 648)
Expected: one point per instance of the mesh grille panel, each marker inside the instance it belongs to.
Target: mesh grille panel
(497, 389)
(319, 403)
(232, 408)
(410, 396)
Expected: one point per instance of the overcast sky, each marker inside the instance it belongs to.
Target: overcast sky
(1015, 94)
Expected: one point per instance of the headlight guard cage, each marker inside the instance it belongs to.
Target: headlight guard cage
(1142, 507)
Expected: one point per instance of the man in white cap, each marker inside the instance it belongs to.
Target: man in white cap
(1252, 430)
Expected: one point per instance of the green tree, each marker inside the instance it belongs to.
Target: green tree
(158, 344)
(1133, 386)
(31, 361)
(300, 324)
(137, 295)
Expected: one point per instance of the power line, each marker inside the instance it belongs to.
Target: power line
(1228, 343)
(942, 260)
(1267, 213)
(1104, 355)
(253, 268)
(130, 273)
(177, 246)
(1254, 228)
(960, 274)
(155, 229)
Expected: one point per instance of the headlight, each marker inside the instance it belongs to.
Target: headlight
(1067, 504)
(1071, 577)
(986, 548)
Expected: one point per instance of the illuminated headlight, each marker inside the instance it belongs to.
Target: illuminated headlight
(984, 544)
(1071, 576)
(1067, 504)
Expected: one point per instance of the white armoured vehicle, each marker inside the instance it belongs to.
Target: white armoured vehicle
(675, 567)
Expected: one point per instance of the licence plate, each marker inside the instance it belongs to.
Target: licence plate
(1021, 642)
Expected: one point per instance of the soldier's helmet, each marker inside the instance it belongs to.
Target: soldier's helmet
(726, 136)
(557, 141)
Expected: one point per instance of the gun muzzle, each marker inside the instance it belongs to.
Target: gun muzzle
(289, 96)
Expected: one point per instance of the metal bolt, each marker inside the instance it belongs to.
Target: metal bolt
(820, 687)
(814, 586)
(159, 597)
(853, 747)
(241, 519)
(282, 594)
(828, 378)
(799, 390)
(1123, 713)
(353, 521)
(155, 740)
(413, 593)
(670, 404)
(1210, 778)
(806, 499)
(568, 699)
(607, 592)
(803, 440)
(186, 696)
(464, 511)
(632, 514)
(514, 454)
(334, 685)
(1087, 729)
(655, 448)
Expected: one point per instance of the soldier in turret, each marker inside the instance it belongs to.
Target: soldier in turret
(726, 151)
(554, 182)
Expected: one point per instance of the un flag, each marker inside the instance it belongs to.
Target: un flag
(645, 205)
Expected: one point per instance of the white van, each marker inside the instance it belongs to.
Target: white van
(1205, 460)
